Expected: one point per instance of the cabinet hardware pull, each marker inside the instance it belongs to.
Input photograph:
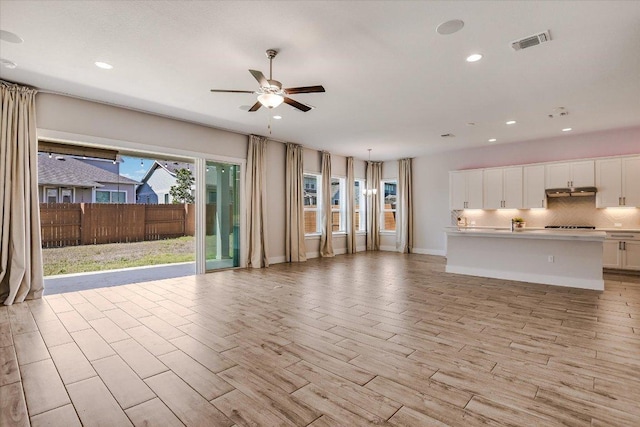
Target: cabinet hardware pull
(619, 201)
(624, 201)
(623, 236)
(619, 246)
(624, 246)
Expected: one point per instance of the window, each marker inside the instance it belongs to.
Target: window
(388, 222)
(108, 196)
(311, 196)
(118, 197)
(213, 197)
(67, 195)
(52, 195)
(103, 197)
(359, 204)
(338, 205)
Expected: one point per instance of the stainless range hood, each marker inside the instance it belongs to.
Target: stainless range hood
(571, 192)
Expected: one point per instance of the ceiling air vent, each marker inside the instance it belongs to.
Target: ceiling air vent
(531, 41)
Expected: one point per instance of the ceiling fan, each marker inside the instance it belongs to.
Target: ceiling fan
(271, 94)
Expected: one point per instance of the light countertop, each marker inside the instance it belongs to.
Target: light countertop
(530, 233)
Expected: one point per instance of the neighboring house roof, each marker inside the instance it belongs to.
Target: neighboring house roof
(75, 173)
(171, 167)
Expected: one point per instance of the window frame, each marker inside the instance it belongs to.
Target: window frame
(110, 196)
(46, 194)
(384, 210)
(342, 205)
(318, 197)
(360, 210)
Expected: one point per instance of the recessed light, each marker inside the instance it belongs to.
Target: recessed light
(450, 27)
(511, 122)
(10, 37)
(567, 130)
(277, 117)
(492, 140)
(473, 58)
(103, 65)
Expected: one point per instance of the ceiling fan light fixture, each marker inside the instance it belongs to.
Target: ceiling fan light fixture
(270, 100)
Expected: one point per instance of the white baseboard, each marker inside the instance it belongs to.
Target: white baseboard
(311, 255)
(361, 249)
(572, 282)
(340, 251)
(438, 252)
(388, 248)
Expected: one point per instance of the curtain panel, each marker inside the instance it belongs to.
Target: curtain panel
(326, 238)
(256, 188)
(351, 209)
(21, 269)
(295, 249)
(374, 175)
(404, 208)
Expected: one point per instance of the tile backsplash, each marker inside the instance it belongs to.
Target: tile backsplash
(560, 211)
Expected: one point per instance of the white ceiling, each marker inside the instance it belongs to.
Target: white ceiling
(393, 84)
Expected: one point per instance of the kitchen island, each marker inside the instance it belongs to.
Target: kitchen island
(552, 257)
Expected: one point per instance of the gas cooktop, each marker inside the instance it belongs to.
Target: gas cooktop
(572, 227)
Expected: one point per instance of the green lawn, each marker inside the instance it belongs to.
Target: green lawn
(79, 259)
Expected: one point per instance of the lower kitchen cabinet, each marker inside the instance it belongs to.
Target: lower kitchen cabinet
(622, 251)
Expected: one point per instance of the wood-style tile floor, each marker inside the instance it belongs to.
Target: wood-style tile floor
(376, 338)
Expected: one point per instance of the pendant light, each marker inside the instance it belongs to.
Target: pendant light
(370, 191)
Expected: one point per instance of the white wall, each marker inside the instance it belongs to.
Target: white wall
(431, 173)
(75, 120)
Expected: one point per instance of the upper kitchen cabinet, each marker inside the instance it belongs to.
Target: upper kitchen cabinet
(533, 187)
(502, 188)
(618, 182)
(465, 189)
(571, 174)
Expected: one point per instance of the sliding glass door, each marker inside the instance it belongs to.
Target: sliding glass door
(222, 220)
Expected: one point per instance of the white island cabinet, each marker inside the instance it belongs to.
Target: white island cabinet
(561, 258)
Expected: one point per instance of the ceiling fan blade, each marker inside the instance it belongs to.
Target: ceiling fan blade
(304, 89)
(232, 91)
(260, 78)
(255, 107)
(300, 106)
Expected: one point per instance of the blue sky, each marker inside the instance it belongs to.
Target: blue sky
(131, 167)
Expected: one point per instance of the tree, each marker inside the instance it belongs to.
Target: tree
(181, 191)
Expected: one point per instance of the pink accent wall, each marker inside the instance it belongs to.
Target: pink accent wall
(568, 146)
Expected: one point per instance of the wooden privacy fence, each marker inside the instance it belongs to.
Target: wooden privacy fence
(73, 224)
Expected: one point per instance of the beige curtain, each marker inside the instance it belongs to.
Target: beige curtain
(374, 174)
(351, 209)
(404, 208)
(295, 249)
(256, 189)
(326, 238)
(21, 271)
